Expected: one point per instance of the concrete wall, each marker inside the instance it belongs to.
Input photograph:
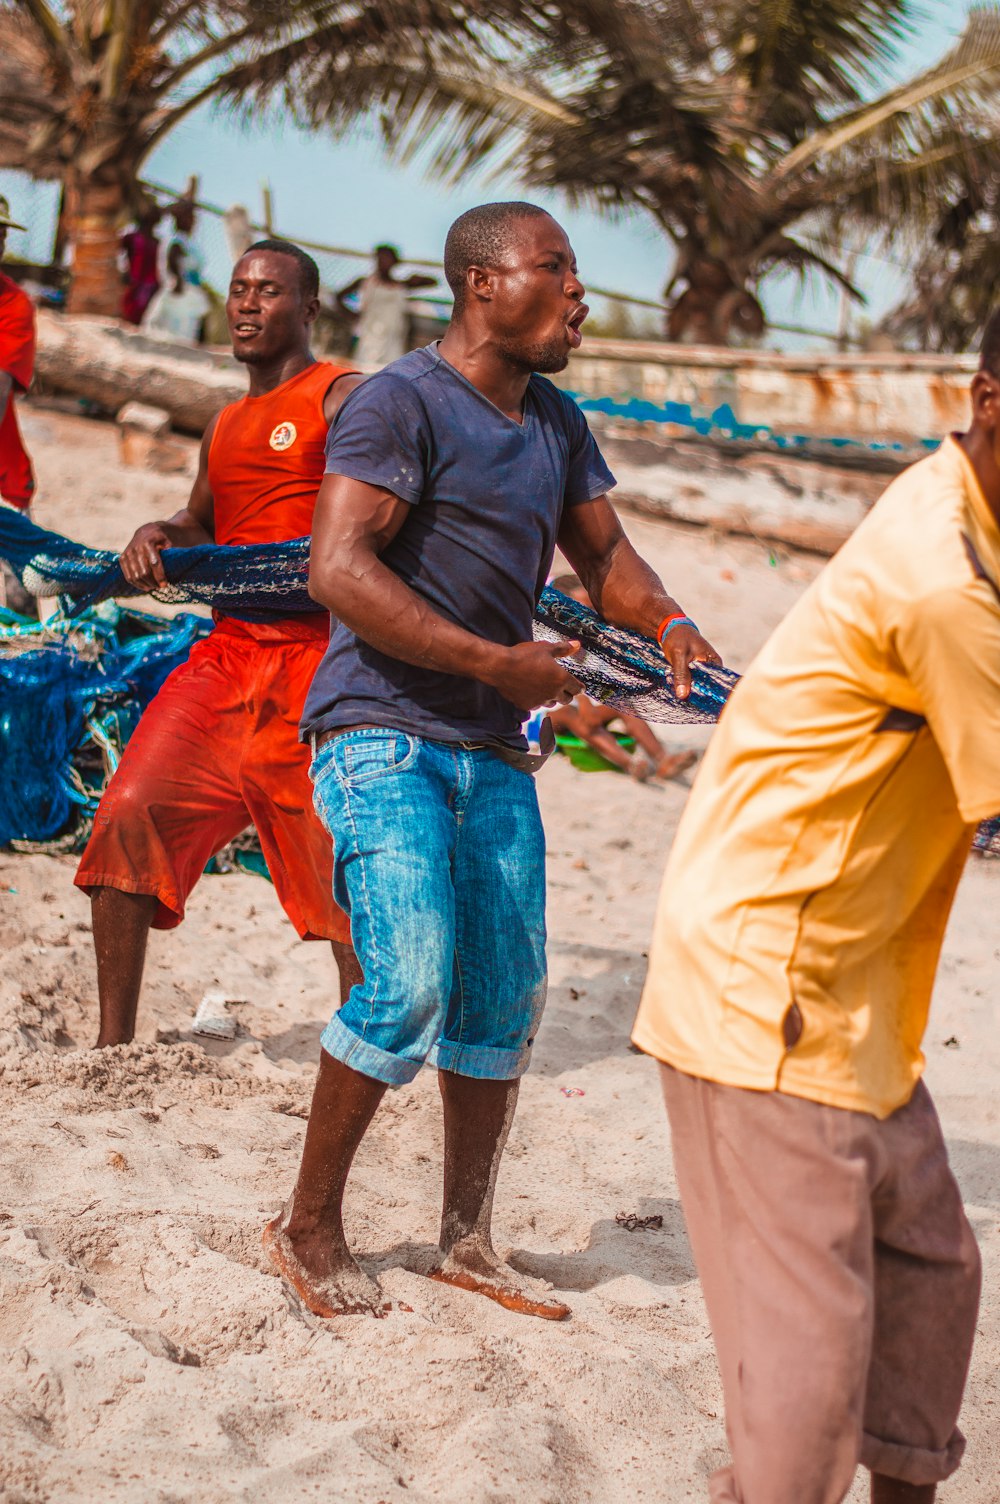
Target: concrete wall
(892, 404)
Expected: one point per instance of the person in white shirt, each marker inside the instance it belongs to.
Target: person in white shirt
(382, 325)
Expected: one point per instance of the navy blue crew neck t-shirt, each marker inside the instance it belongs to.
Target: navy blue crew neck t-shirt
(486, 498)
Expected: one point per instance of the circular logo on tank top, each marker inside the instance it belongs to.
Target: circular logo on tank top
(284, 436)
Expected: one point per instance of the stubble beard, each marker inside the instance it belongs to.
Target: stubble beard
(248, 357)
(546, 357)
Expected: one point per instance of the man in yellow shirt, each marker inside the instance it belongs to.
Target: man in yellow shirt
(796, 942)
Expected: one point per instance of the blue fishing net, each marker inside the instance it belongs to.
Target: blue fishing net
(986, 841)
(71, 693)
(46, 705)
(626, 670)
(255, 583)
(259, 582)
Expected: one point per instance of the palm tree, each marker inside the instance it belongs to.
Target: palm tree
(956, 277)
(754, 133)
(89, 87)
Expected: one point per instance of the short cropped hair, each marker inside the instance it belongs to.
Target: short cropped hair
(989, 348)
(481, 237)
(308, 270)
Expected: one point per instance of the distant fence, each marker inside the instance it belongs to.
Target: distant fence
(339, 265)
(36, 205)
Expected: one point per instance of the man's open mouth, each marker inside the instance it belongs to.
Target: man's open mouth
(574, 325)
(246, 331)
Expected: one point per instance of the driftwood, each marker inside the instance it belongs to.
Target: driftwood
(111, 364)
(797, 502)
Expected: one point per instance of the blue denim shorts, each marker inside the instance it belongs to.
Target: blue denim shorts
(439, 860)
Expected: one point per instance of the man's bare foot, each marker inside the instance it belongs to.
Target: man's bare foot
(674, 763)
(327, 1283)
(470, 1267)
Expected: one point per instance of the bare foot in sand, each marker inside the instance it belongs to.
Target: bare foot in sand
(326, 1279)
(639, 766)
(469, 1266)
(674, 763)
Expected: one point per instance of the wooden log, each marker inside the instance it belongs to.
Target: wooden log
(110, 363)
(795, 502)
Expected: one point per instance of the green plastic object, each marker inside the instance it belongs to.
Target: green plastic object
(585, 758)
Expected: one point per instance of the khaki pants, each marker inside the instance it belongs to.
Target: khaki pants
(841, 1278)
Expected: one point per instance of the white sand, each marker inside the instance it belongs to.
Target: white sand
(146, 1354)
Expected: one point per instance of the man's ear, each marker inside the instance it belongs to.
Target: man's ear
(311, 310)
(480, 283)
(985, 394)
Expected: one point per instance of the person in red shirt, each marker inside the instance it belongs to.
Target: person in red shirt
(17, 364)
(219, 745)
(142, 252)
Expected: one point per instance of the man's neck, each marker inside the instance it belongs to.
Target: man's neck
(265, 378)
(486, 369)
(979, 452)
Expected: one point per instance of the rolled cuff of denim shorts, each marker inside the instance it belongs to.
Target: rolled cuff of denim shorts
(481, 1062)
(338, 1040)
(917, 1465)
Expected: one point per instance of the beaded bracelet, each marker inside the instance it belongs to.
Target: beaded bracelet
(668, 624)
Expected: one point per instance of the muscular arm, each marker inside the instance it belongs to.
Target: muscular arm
(353, 524)
(338, 390)
(6, 389)
(623, 587)
(193, 524)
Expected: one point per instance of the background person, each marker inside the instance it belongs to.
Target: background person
(382, 320)
(141, 247)
(180, 308)
(218, 746)
(17, 365)
(182, 258)
(178, 311)
(796, 942)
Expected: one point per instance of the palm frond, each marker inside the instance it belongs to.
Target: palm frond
(800, 60)
(970, 71)
(26, 84)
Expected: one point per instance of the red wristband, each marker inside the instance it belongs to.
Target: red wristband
(667, 621)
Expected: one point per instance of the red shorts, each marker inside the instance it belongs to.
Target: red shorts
(217, 748)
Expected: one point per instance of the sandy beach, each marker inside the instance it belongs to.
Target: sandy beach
(146, 1353)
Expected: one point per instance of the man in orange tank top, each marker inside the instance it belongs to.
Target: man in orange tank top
(219, 746)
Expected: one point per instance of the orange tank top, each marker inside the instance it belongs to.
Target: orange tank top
(265, 464)
(267, 459)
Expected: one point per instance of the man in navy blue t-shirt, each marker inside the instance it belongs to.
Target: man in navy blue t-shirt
(451, 477)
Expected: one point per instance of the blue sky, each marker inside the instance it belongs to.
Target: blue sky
(346, 193)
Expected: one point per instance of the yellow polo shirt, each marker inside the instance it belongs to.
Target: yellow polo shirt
(818, 856)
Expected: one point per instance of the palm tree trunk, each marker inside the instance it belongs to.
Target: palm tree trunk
(95, 215)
